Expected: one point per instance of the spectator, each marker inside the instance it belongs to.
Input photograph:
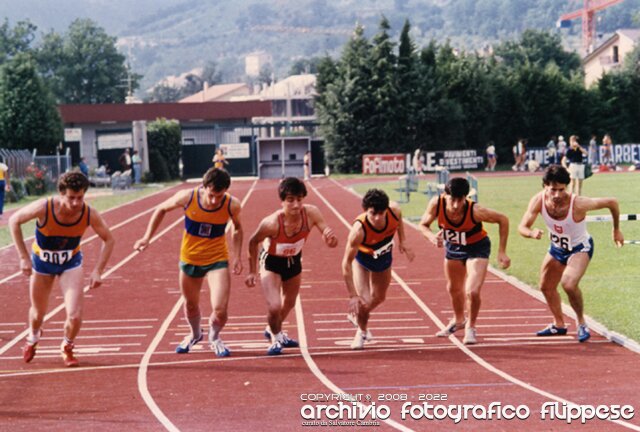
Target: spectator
(491, 157)
(416, 162)
(562, 148)
(552, 151)
(573, 160)
(520, 155)
(306, 160)
(219, 161)
(84, 168)
(593, 150)
(607, 151)
(125, 160)
(137, 166)
(5, 184)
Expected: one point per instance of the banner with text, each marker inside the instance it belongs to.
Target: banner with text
(384, 163)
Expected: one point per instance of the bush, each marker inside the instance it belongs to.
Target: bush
(17, 192)
(158, 166)
(165, 137)
(36, 180)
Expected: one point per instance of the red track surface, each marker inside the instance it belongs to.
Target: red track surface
(130, 379)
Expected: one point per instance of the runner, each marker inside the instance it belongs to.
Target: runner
(366, 264)
(204, 252)
(60, 224)
(571, 246)
(284, 233)
(467, 251)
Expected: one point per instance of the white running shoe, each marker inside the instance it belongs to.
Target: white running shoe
(188, 342)
(470, 336)
(220, 348)
(360, 338)
(451, 328)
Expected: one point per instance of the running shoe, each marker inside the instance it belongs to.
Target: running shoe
(358, 340)
(552, 330)
(67, 355)
(451, 328)
(267, 332)
(470, 336)
(275, 349)
(29, 348)
(282, 337)
(187, 343)
(583, 333)
(220, 348)
(353, 319)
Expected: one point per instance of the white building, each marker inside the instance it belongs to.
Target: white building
(610, 55)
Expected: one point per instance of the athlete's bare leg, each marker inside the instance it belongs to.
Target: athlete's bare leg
(362, 282)
(190, 288)
(456, 273)
(550, 275)
(290, 290)
(71, 286)
(271, 283)
(575, 269)
(40, 289)
(219, 288)
(476, 273)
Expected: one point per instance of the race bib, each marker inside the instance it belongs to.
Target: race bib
(383, 250)
(561, 241)
(289, 249)
(204, 230)
(455, 237)
(56, 257)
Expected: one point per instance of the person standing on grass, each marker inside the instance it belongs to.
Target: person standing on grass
(284, 233)
(5, 184)
(60, 224)
(366, 264)
(467, 251)
(571, 246)
(573, 161)
(204, 252)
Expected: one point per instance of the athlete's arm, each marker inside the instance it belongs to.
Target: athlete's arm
(395, 208)
(180, 199)
(103, 231)
(236, 236)
(585, 204)
(268, 228)
(529, 217)
(483, 214)
(32, 211)
(427, 219)
(356, 237)
(318, 221)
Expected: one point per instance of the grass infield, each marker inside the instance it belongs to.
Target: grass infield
(613, 273)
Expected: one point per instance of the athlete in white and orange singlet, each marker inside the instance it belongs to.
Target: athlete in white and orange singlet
(207, 210)
(366, 264)
(467, 250)
(284, 233)
(61, 222)
(571, 246)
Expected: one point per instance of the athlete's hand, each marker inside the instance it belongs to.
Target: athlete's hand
(536, 233)
(250, 280)
(354, 305)
(237, 266)
(504, 260)
(25, 266)
(329, 237)
(95, 280)
(437, 240)
(141, 244)
(618, 238)
(408, 252)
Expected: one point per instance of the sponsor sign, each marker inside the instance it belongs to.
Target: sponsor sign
(72, 134)
(236, 151)
(384, 163)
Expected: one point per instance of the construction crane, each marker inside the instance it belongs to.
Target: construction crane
(587, 13)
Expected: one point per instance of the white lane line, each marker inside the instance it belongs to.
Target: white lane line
(124, 320)
(373, 329)
(371, 320)
(475, 357)
(313, 367)
(373, 314)
(144, 363)
(84, 329)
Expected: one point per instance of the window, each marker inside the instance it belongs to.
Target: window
(275, 157)
(616, 55)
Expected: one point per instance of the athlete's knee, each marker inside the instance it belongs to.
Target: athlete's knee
(474, 293)
(191, 308)
(377, 299)
(74, 320)
(569, 284)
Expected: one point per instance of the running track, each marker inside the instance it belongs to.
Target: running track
(130, 379)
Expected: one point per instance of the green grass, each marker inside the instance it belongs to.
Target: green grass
(608, 286)
(101, 203)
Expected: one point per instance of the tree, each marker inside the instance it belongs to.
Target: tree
(28, 115)
(84, 65)
(15, 40)
(164, 138)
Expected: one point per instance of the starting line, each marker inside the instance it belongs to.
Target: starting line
(607, 218)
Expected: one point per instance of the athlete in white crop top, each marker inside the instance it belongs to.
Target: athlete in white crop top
(571, 246)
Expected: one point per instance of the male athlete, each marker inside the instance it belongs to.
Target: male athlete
(366, 264)
(204, 252)
(60, 223)
(284, 233)
(571, 246)
(467, 250)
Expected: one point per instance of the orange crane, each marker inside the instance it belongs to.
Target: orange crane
(587, 13)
